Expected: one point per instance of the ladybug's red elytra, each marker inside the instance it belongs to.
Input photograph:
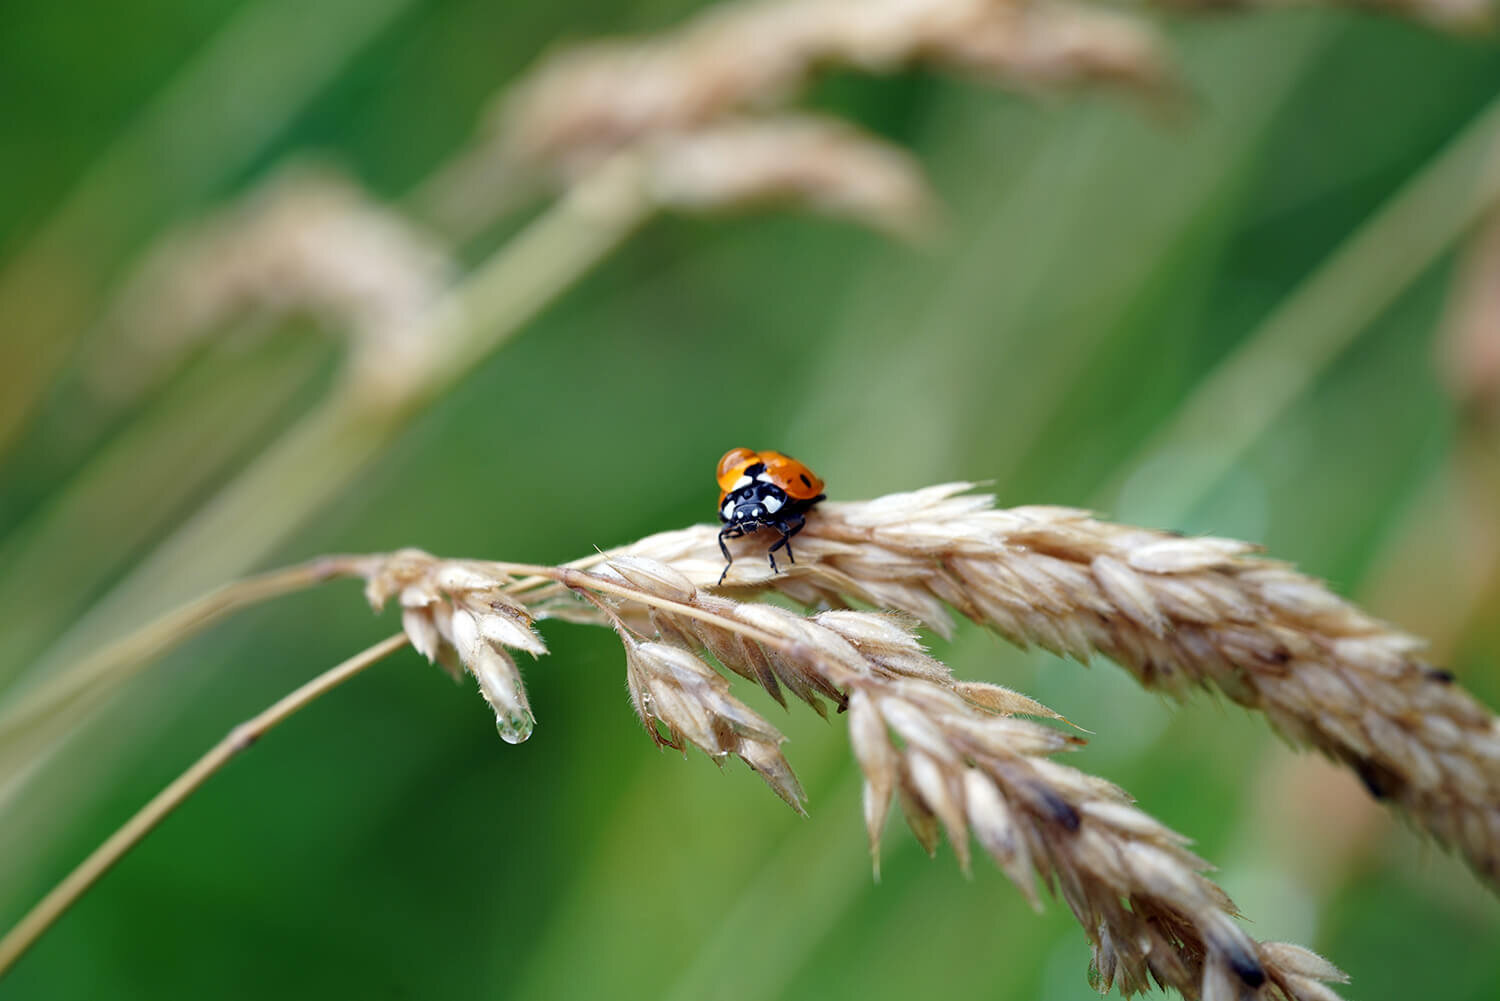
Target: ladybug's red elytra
(764, 489)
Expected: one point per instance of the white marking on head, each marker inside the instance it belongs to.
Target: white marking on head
(728, 510)
(765, 478)
(773, 504)
(741, 483)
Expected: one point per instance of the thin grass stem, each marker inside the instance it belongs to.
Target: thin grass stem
(113, 664)
(56, 903)
(110, 666)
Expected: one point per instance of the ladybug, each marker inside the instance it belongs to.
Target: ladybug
(764, 489)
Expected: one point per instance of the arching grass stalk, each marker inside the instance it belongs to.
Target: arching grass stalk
(115, 663)
(56, 903)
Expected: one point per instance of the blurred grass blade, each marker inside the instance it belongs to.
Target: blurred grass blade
(232, 99)
(133, 490)
(1235, 404)
(93, 679)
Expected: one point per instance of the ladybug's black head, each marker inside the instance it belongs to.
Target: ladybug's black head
(754, 504)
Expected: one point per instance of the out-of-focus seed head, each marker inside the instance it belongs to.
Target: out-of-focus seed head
(803, 162)
(308, 242)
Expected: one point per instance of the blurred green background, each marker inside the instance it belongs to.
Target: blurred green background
(1100, 262)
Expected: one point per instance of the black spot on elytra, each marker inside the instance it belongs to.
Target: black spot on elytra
(1442, 675)
(805, 481)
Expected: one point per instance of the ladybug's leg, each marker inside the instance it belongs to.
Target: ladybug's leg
(788, 529)
(728, 532)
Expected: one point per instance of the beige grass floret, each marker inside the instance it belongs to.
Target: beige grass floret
(458, 615)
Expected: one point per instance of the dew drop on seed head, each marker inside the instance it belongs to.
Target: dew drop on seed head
(1096, 978)
(514, 729)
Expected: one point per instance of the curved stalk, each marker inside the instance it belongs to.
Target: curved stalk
(56, 903)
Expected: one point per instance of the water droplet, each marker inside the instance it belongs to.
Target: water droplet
(1096, 979)
(514, 728)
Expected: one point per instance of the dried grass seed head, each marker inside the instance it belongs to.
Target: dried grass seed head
(681, 700)
(1129, 881)
(703, 112)
(1179, 613)
(954, 764)
(806, 162)
(584, 102)
(458, 613)
(309, 242)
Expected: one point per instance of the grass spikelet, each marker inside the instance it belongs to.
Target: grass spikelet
(952, 754)
(1180, 614)
(452, 609)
